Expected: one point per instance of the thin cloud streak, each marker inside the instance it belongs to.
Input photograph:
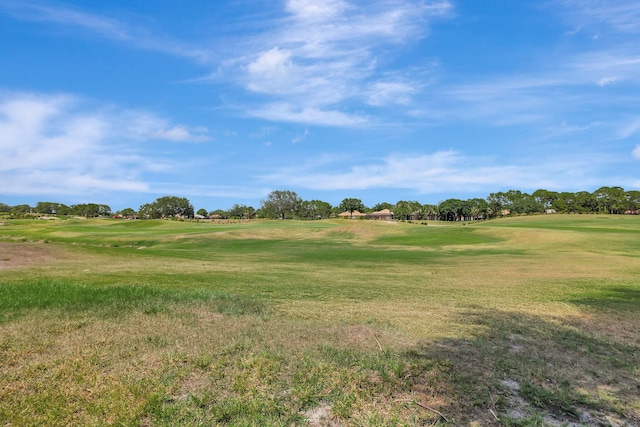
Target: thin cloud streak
(622, 15)
(30, 11)
(281, 112)
(114, 29)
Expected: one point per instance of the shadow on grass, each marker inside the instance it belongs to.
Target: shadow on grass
(613, 298)
(519, 370)
(523, 370)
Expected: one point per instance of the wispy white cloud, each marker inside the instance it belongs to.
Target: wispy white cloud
(564, 129)
(576, 78)
(302, 137)
(324, 55)
(38, 12)
(135, 35)
(312, 10)
(317, 58)
(636, 152)
(264, 132)
(620, 15)
(443, 171)
(233, 192)
(181, 134)
(618, 64)
(60, 144)
(630, 128)
(606, 81)
(565, 85)
(391, 92)
(281, 112)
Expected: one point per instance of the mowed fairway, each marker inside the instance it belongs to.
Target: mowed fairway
(518, 321)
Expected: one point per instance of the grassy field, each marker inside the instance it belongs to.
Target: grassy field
(527, 321)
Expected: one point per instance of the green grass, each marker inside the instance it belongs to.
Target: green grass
(517, 321)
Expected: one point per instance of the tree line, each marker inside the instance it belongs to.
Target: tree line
(285, 204)
(88, 210)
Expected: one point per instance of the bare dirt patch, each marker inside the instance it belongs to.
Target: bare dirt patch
(17, 255)
(321, 417)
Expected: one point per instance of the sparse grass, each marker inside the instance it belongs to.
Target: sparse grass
(520, 321)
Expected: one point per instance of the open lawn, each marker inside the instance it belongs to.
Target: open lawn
(526, 321)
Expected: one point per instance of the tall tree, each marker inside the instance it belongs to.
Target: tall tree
(526, 204)
(241, 212)
(90, 210)
(633, 199)
(585, 202)
(128, 213)
(219, 213)
(351, 205)
(167, 207)
(545, 197)
(454, 210)
(281, 204)
(429, 212)
(21, 209)
(382, 206)
(403, 209)
(315, 209)
(478, 208)
(497, 203)
(47, 208)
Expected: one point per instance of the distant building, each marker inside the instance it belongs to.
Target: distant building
(384, 215)
(351, 215)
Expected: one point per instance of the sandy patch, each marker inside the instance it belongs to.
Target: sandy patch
(17, 255)
(321, 417)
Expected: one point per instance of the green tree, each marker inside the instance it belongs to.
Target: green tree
(585, 202)
(90, 210)
(545, 197)
(610, 199)
(147, 211)
(632, 199)
(618, 200)
(281, 204)
(382, 206)
(454, 210)
(526, 204)
(429, 212)
(497, 203)
(202, 212)
(167, 207)
(404, 209)
(220, 213)
(46, 208)
(128, 213)
(241, 212)
(4, 207)
(351, 205)
(315, 209)
(21, 209)
(478, 209)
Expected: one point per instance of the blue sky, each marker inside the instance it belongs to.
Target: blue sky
(221, 102)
